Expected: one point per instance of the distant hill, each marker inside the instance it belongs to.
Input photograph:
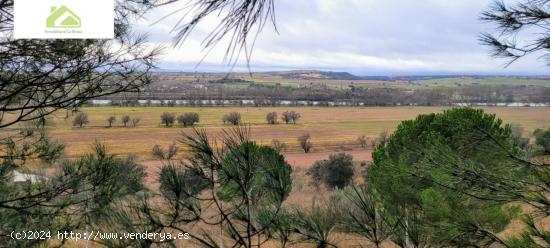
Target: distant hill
(335, 75)
(313, 74)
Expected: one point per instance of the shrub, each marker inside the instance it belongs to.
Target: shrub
(188, 119)
(125, 120)
(315, 173)
(233, 118)
(289, 116)
(339, 170)
(159, 153)
(336, 172)
(305, 142)
(80, 120)
(382, 137)
(111, 120)
(374, 143)
(278, 146)
(286, 117)
(271, 117)
(135, 121)
(294, 116)
(168, 118)
(363, 141)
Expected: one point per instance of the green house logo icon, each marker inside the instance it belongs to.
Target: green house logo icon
(62, 17)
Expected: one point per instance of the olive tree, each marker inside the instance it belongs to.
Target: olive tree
(168, 118)
(279, 146)
(305, 142)
(80, 120)
(111, 120)
(125, 120)
(135, 121)
(271, 118)
(159, 153)
(233, 118)
(363, 141)
(188, 119)
(290, 116)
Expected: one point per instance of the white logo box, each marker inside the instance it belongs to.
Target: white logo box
(64, 19)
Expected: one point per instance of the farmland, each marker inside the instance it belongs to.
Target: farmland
(317, 88)
(489, 81)
(332, 129)
(298, 124)
(341, 80)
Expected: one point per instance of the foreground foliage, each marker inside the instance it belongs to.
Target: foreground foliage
(454, 175)
(78, 195)
(238, 189)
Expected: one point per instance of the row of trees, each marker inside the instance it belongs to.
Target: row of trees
(541, 146)
(261, 95)
(304, 141)
(286, 117)
(233, 118)
(81, 119)
(126, 121)
(185, 119)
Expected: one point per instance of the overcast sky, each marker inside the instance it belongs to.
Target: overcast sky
(365, 37)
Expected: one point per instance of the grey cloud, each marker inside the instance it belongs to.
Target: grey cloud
(363, 36)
